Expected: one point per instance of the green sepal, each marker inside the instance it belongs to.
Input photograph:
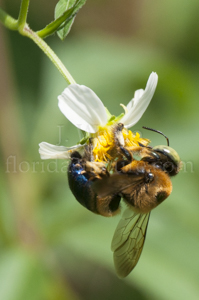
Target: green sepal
(112, 118)
(108, 113)
(115, 119)
(85, 138)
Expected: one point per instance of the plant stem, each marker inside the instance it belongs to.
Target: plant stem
(49, 52)
(23, 14)
(23, 29)
(8, 21)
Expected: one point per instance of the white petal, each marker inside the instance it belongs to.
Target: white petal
(137, 106)
(82, 107)
(137, 96)
(49, 151)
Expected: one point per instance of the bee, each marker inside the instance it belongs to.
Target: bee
(143, 185)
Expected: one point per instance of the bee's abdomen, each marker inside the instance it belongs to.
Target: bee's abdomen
(81, 186)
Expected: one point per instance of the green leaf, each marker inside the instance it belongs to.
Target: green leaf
(62, 6)
(69, 7)
(56, 24)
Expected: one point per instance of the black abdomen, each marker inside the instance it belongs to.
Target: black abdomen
(81, 184)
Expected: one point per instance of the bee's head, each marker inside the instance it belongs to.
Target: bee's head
(167, 158)
(170, 159)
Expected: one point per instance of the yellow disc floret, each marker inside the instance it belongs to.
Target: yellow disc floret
(104, 142)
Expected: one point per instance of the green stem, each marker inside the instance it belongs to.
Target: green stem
(49, 52)
(23, 14)
(8, 21)
(23, 29)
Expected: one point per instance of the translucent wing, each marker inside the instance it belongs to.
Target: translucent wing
(116, 183)
(128, 241)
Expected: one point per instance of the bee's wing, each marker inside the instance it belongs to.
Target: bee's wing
(128, 241)
(116, 183)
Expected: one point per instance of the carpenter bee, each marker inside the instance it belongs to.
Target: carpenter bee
(143, 185)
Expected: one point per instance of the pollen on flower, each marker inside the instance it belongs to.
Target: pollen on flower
(104, 142)
(133, 139)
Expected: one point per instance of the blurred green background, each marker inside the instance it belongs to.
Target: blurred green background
(51, 247)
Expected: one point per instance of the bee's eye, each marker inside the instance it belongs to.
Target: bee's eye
(169, 167)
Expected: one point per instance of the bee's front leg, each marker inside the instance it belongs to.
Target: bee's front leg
(119, 142)
(141, 151)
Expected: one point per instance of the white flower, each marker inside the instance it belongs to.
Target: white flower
(49, 151)
(137, 106)
(82, 107)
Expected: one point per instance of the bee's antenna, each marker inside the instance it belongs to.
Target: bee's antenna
(157, 132)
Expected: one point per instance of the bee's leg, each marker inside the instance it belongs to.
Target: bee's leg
(76, 157)
(91, 149)
(96, 170)
(142, 151)
(88, 154)
(119, 141)
(127, 154)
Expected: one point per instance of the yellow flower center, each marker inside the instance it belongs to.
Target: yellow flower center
(104, 142)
